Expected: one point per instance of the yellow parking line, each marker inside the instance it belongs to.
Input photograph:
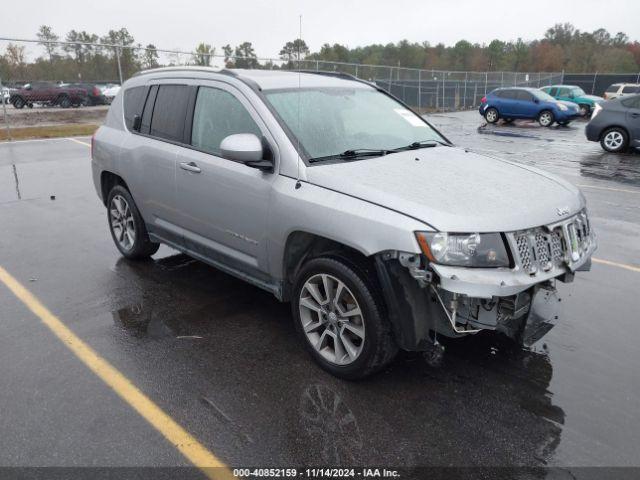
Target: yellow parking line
(174, 433)
(616, 264)
(78, 141)
(610, 189)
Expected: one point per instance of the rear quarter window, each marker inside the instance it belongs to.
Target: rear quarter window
(630, 89)
(633, 102)
(134, 98)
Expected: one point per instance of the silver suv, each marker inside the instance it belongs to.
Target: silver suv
(331, 194)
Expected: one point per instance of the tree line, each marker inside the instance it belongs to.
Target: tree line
(562, 48)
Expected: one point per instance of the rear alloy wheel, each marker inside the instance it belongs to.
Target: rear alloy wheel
(339, 316)
(546, 118)
(614, 140)
(127, 226)
(585, 110)
(491, 115)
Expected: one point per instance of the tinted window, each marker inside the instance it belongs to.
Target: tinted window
(613, 88)
(633, 102)
(217, 115)
(133, 103)
(145, 125)
(169, 112)
(522, 95)
(629, 89)
(508, 94)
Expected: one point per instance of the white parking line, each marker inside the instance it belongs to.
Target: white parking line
(624, 266)
(78, 141)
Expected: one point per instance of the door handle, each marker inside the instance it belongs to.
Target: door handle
(190, 167)
(635, 115)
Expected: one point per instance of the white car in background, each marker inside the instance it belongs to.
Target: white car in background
(110, 91)
(5, 94)
(621, 89)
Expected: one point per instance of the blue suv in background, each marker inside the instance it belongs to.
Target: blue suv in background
(517, 102)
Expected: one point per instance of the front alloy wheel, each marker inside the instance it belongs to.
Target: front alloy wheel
(332, 319)
(545, 119)
(340, 316)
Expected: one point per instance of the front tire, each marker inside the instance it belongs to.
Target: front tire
(546, 118)
(19, 103)
(614, 140)
(127, 227)
(491, 115)
(340, 317)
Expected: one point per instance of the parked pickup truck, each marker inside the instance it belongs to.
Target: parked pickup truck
(49, 94)
(331, 194)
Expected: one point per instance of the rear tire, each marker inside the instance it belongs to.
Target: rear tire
(614, 140)
(508, 120)
(127, 227)
(546, 118)
(491, 115)
(350, 346)
(565, 123)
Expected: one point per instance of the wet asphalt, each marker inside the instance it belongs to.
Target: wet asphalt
(221, 357)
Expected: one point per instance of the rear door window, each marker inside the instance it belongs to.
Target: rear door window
(217, 115)
(630, 89)
(169, 112)
(612, 88)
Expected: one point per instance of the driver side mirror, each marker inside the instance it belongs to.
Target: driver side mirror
(246, 148)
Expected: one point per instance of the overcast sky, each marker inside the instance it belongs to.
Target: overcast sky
(268, 24)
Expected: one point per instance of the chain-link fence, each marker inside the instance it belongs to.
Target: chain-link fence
(36, 75)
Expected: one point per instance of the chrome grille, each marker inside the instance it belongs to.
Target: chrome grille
(546, 247)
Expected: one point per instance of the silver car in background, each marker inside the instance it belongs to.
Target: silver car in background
(332, 195)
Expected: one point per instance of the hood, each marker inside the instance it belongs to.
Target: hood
(454, 190)
(593, 98)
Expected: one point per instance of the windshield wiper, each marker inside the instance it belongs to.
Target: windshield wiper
(420, 144)
(353, 154)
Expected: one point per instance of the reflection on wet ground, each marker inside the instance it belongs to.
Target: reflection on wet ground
(487, 404)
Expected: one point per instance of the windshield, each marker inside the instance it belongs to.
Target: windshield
(332, 120)
(578, 92)
(540, 95)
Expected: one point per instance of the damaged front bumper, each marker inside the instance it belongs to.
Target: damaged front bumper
(426, 298)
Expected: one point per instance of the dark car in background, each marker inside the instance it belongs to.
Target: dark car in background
(94, 93)
(529, 103)
(49, 94)
(616, 124)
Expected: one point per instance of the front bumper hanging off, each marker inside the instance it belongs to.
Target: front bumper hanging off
(520, 302)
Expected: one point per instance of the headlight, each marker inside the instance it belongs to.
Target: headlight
(464, 249)
(563, 107)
